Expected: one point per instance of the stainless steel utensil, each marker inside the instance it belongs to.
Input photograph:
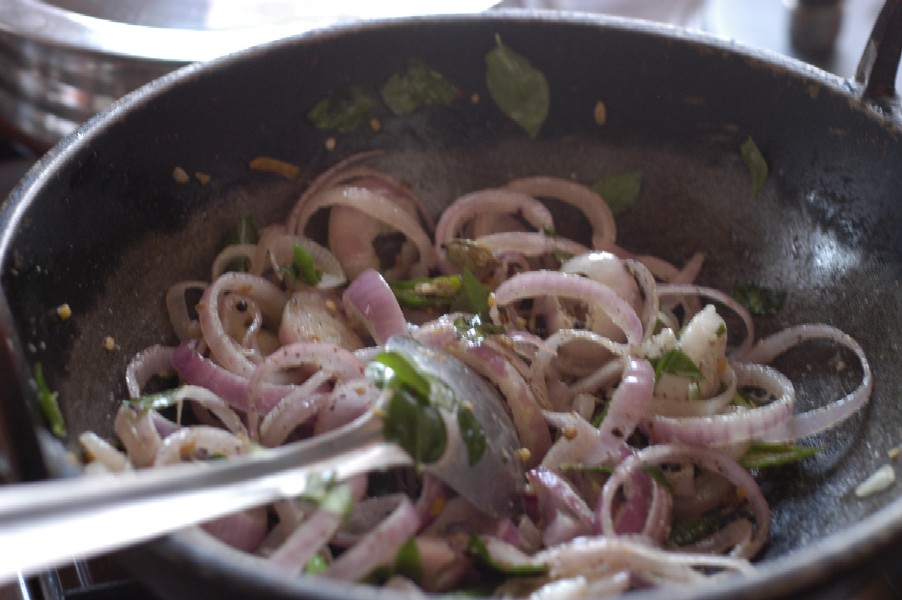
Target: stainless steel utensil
(44, 524)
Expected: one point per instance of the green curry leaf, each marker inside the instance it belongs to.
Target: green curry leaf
(304, 266)
(420, 85)
(473, 296)
(759, 299)
(620, 191)
(675, 362)
(755, 163)
(519, 89)
(343, 110)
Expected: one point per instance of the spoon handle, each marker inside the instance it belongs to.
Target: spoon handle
(50, 522)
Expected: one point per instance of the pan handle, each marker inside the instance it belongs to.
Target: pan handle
(880, 60)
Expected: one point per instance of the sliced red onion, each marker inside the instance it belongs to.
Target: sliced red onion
(541, 369)
(737, 426)
(224, 349)
(668, 290)
(708, 458)
(305, 541)
(380, 546)
(590, 203)
(735, 534)
(377, 207)
(334, 360)
(146, 364)
(290, 413)
(646, 509)
(341, 171)
(489, 201)
(607, 585)
(138, 434)
(314, 316)
(525, 410)
(213, 403)
(348, 400)
(628, 404)
(553, 283)
(279, 247)
(697, 407)
(529, 243)
(371, 300)
(347, 171)
(243, 530)
(184, 326)
(442, 564)
(636, 555)
(229, 254)
(197, 370)
(584, 444)
(101, 452)
(556, 494)
(212, 440)
(825, 417)
(708, 491)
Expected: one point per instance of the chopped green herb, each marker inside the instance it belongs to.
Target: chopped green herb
(620, 191)
(157, 401)
(473, 296)
(742, 400)
(474, 329)
(519, 89)
(48, 402)
(721, 329)
(412, 416)
(244, 232)
(316, 565)
(755, 163)
(420, 85)
(343, 111)
(601, 411)
(690, 530)
(476, 547)
(467, 254)
(657, 474)
(760, 300)
(423, 292)
(415, 425)
(304, 267)
(675, 362)
(329, 494)
(762, 454)
(473, 434)
(408, 562)
(391, 370)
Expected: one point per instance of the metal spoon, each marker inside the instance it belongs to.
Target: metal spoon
(47, 523)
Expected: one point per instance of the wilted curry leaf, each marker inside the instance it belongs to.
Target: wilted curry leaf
(519, 89)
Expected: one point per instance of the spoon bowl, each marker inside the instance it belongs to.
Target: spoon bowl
(46, 523)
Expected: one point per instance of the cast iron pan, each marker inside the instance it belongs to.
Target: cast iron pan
(101, 224)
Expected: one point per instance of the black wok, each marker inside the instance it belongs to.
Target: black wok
(101, 224)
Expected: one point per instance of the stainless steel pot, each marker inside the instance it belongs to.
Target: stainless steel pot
(62, 61)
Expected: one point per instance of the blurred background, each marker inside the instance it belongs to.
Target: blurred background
(62, 61)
